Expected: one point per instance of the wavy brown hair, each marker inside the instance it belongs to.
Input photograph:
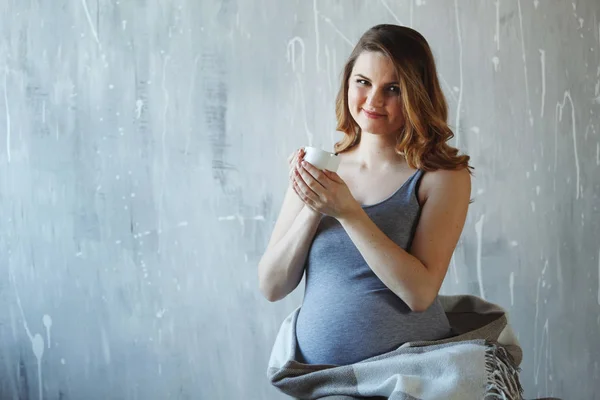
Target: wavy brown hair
(424, 136)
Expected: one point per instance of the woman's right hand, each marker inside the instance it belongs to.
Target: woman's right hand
(294, 161)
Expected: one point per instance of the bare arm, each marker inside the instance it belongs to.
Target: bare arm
(281, 267)
(416, 277)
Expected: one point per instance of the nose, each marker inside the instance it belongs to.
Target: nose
(375, 98)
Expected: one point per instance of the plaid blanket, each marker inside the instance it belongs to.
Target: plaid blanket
(480, 362)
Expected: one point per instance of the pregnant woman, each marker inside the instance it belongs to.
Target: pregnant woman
(374, 239)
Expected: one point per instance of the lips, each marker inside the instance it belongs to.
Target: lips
(371, 114)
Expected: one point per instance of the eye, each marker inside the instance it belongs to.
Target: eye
(394, 89)
(362, 82)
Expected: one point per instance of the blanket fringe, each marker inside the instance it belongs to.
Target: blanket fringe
(502, 374)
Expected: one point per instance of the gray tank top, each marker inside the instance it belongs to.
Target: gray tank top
(348, 314)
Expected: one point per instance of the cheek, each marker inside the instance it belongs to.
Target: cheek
(353, 98)
(394, 108)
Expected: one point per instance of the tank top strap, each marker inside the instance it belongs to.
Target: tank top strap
(414, 181)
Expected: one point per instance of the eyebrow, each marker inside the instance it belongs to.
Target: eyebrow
(364, 77)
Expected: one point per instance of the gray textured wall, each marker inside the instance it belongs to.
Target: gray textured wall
(142, 165)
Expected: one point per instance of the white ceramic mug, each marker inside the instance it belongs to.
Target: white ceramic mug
(321, 159)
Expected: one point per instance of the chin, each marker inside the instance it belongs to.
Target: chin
(374, 127)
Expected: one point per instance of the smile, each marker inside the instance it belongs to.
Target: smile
(373, 115)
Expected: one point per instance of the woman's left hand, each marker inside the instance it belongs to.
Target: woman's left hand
(323, 191)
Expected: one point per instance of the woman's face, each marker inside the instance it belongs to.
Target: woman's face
(374, 94)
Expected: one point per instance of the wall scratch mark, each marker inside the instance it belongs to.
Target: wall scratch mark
(328, 69)
(291, 58)
(97, 18)
(445, 83)
(496, 62)
(460, 69)
(544, 343)
(454, 268)
(589, 128)
(241, 219)
(497, 35)
(479, 232)
(8, 127)
(90, 22)
(328, 20)
(317, 38)
(511, 285)
(291, 52)
(559, 109)
(535, 325)
(47, 321)
(387, 7)
(543, 63)
(524, 57)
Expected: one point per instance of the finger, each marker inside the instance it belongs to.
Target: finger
(333, 176)
(300, 193)
(291, 171)
(294, 164)
(297, 190)
(300, 157)
(314, 175)
(306, 188)
(311, 182)
(305, 199)
(293, 175)
(293, 157)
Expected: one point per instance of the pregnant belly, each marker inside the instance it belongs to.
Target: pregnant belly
(345, 332)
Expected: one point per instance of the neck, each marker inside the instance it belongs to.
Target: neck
(377, 151)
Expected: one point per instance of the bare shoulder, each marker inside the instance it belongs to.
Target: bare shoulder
(445, 183)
